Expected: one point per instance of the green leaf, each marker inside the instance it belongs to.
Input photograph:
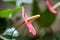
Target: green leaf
(5, 13)
(47, 18)
(15, 10)
(9, 12)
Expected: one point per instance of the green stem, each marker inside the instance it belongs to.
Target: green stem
(18, 25)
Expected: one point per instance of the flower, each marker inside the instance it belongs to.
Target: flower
(56, 5)
(28, 23)
(50, 7)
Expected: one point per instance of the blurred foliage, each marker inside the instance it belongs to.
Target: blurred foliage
(4, 18)
(48, 35)
(1, 39)
(3, 25)
(57, 35)
(46, 19)
(10, 1)
(26, 37)
(35, 8)
(52, 36)
(16, 9)
(6, 13)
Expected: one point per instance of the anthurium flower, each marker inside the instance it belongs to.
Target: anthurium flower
(50, 7)
(19, 23)
(28, 23)
(56, 5)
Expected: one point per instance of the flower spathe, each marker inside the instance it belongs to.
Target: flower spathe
(50, 7)
(28, 23)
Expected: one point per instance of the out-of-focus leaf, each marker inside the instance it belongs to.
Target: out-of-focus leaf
(9, 12)
(5, 13)
(15, 10)
(47, 18)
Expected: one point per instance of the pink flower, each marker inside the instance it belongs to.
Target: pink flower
(50, 7)
(28, 23)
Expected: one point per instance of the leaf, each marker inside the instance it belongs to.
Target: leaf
(15, 10)
(47, 18)
(9, 12)
(5, 13)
